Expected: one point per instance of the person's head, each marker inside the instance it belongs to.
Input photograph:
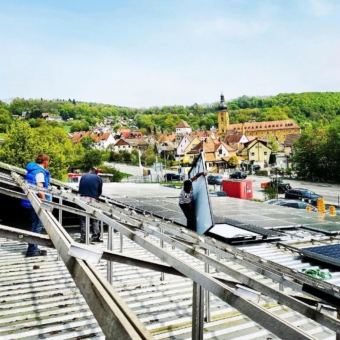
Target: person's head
(43, 160)
(187, 186)
(94, 170)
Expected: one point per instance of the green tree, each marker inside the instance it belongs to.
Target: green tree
(5, 119)
(87, 142)
(233, 162)
(23, 144)
(91, 158)
(273, 143)
(148, 157)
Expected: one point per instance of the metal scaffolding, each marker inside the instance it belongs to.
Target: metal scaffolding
(111, 312)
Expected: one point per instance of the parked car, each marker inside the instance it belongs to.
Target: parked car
(272, 201)
(218, 193)
(295, 204)
(303, 195)
(169, 186)
(238, 174)
(255, 167)
(215, 179)
(173, 177)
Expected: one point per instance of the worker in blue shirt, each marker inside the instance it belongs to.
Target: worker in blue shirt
(39, 176)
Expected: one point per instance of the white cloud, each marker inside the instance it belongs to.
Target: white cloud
(233, 28)
(321, 7)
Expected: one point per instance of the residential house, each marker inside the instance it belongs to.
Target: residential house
(169, 139)
(215, 152)
(205, 134)
(124, 133)
(187, 143)
(123, 145)
(103, 140)
(137, 143)
(127, 133)
(150, 139)
(78, 135)
(183, 128)
(236, 140)
(256, 151)
(289, 146)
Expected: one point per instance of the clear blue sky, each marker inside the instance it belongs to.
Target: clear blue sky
(142, 53)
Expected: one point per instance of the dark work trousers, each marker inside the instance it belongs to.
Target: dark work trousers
(189, 213)
(94, 224)
(94, 227)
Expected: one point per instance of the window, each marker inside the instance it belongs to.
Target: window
(220, 151)
(265, 153)
(252, 154)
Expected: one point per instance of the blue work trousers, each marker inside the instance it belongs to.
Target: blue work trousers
(36, 227)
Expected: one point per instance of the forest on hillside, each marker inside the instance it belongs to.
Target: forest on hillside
(304, 108)
(316, 153)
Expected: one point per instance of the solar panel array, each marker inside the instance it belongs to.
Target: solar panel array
(329, 254)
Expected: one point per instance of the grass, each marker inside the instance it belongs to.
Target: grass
(67, 128)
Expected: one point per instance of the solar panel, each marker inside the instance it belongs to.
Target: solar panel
(201, 197)
(328, 254)
(326, 228)
(252, 228)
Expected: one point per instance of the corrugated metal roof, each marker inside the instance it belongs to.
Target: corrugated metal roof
(39, 298)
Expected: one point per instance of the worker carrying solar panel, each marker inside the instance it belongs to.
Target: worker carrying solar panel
(185, 201)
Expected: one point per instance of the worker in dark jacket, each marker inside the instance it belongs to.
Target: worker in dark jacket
(39, 176)
(186, 203)
(90, 188)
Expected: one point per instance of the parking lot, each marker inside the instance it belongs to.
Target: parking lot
(330, 192)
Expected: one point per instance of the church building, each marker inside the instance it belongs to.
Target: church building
(278, 128)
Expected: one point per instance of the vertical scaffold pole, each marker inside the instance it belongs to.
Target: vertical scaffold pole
(197, 312)
(109, 247)
(207, 293)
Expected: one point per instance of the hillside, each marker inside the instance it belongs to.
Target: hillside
(317, 107)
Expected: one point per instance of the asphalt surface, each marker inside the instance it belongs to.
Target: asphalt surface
(330, 192)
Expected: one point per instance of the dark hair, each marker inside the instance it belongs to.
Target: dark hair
(41, 158)
(187, 184)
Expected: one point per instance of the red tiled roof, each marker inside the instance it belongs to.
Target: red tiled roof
(183, 124)
(234, 138)
(121, 142)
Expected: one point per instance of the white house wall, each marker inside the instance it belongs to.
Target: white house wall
(183, 130)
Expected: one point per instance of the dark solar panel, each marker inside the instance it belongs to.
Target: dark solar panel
(328, 254)
(328, 228)
(250, 227)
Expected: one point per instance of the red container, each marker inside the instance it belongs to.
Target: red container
(238, 188)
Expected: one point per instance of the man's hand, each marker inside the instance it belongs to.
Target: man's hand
(41, 194)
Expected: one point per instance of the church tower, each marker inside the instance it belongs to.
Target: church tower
(223, 117)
